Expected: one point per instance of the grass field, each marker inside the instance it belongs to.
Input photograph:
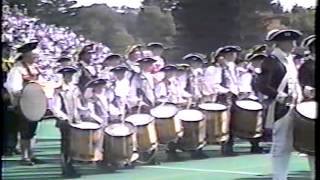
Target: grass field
(246, 166)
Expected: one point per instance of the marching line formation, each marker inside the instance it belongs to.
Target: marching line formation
(119, 111)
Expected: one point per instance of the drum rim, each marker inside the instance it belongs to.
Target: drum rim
(202, 118)
(72, 125)
(164, 117)
(148, 122)
(45, 99)
(226, 108)
(307, 118)
(132, 129)
(236, 104)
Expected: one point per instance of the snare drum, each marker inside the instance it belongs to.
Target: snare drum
(146, 131)
(194, 129)
(86, 141)
(217, 124)
(247, 120)
(305, 115)
(119, 142)
(167, 127)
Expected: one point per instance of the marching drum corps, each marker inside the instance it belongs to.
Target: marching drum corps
(120, 111)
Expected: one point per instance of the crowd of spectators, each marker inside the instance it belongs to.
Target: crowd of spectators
(54, 42)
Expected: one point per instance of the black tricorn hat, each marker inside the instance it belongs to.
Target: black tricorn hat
(285, 35)
(96, 82)
(68, 69)
(27, 47)
(119, 68)
(169, 68)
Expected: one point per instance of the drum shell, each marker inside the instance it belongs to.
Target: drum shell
(217, 125)
(246, 123)
(194, 134)
(85, 144)
(146, 136)
(118, 148)
(303, 134)
(167, 129)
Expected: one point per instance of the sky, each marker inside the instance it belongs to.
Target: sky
(287, 4)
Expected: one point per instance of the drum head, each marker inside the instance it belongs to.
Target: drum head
(139, 119)
(249, 105)
(33, 102)
(164, 111)
(86, 125)
(190, 115)
(120, 129)
(308, 109)
(212, 107)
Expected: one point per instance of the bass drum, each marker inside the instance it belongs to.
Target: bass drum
(218, 119)
(86, 141)
(194, 129)
(247, 120)
(146, 131)
(168, 129)
(33, 102)
(305, 115)
(119, 143)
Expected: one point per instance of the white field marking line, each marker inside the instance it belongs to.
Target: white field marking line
(202, 170)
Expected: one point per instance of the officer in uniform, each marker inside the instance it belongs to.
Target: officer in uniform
(307, 81)
(279, 81)
(21, 73)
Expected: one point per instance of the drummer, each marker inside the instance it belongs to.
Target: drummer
(65, 100)
(111, 61)
(144, 83)
(24, 71)
(306, 78)
(197, 85)
(101, 104)
(284, 92)
(133, 54)
(124, 94)
(157, 50)
(182, 78)
(167, 89)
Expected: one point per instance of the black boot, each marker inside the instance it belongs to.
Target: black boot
(255, 149)
(227, 150)
(37, 161)
(198, 154)
(69, 172)
(26, 162)
(171, 152)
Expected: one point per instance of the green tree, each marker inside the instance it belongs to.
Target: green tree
(155, 25)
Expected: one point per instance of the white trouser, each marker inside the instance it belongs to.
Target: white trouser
(311, 160)
(282, 146)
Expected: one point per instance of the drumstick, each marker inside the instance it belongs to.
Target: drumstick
(139, 105)
(189, 103)
(123, 113)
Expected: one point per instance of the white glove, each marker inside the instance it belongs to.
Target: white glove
(281, 97)
(309, 92)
